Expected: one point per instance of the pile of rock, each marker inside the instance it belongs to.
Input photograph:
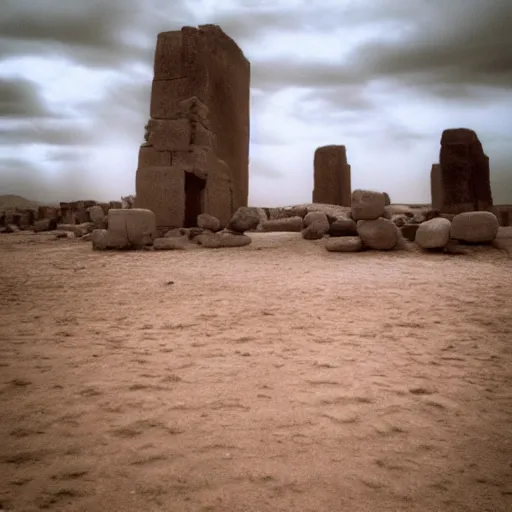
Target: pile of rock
(78, 217)
(135, 228)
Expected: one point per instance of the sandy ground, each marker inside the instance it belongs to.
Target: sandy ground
(274, 377)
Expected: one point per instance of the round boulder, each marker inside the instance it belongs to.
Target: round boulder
(317, 225)
(344, 244)
(368, 205)
(380, 234)
(244, 219)
(342, 227)
(434, 233)
(206, 221)
(474, 227)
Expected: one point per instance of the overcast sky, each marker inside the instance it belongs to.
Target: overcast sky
(383, 78)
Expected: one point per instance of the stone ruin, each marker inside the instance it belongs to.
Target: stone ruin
(461, 180)
(192, 175)
(78, 217)
(196, 156)
(332, 182)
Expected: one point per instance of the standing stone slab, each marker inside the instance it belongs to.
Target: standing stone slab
(465, 172)
(332, 181)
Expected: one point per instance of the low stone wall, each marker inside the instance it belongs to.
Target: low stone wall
(46, 218)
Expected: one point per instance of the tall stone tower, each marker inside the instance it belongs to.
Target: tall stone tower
(332, 182)
(196, 156)
(465, 172)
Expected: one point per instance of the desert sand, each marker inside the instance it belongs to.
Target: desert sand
(273, 377)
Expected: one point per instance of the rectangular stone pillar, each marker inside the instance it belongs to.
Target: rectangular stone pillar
(436, 186)
(332, 178)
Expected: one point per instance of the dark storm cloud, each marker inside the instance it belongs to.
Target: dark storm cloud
(95, 33)
(19, 98)
(455, 43)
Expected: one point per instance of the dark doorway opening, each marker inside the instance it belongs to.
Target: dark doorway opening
(194, 198)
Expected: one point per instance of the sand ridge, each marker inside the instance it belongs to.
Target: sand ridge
(273, 377)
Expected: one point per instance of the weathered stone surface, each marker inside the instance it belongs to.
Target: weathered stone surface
(161, 190)
(286, 212)
(380, 234)
(332, 182)
(436, 186)
(135, 227)
(170, 135)
(291, 224)
(177, 232)
(47, 212)
(342, 227)
(474, 227)
(316, 226)
(150, 157)
(100, 240)
(433, 234)
(387, 199)
(465, 172)
(201, 75)
(344, 244)
(408, 231)
(44, 224)
(205, 221)
(222, 240)
(399, 219)
(367, 205)
(78, 230)
(97, 217)
(170, 243)
(11, 228)
(244, 219)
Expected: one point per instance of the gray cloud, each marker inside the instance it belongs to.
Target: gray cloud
(450, 51)
(19, 98)
(99, 34)
(50, 133)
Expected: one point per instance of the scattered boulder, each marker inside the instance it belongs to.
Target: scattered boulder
(177, 232)
(433, 234)
(474, 227)
(100, 240)
(344, 244)
(293, 224)
(11, 228)
(206, 221)
(380, 234)
(170, 243)
(244, 219)
(367, 205)
(222, 240)
(44, 225)
(286, 212)
(133, 227)
(342, 227)
(97, 216)
(316, 226)
(78, 230)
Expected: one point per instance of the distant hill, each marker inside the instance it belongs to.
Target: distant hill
(14, 201)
